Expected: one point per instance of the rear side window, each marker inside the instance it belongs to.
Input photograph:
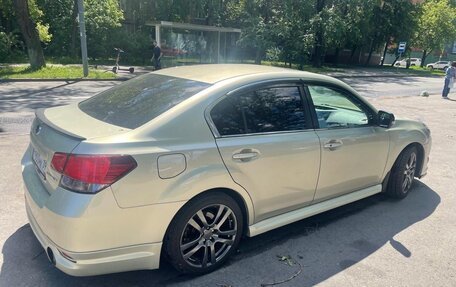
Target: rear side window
(265, 110)
(141, 99)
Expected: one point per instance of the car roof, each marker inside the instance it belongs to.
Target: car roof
(213, 73)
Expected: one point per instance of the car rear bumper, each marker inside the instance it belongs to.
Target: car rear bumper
(145, 256)
(90, 234)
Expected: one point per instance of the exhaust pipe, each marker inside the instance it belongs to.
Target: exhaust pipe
(50, 255)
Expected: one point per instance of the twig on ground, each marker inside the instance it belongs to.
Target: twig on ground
(289, 262)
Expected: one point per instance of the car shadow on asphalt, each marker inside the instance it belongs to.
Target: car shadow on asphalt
(324, 245)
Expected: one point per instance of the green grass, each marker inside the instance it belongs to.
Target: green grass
(52, 72)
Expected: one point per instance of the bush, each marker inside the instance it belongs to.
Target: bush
(11, 48)
(137, 47)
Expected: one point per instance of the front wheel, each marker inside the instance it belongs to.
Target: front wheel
(204, 234)
(403, 173)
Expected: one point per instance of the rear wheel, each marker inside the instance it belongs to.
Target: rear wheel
(204, 234)
(403, 173)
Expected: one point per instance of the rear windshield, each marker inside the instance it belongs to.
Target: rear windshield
(141, 99)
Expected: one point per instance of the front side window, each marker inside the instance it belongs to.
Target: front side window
(335, 109)
(265, 110)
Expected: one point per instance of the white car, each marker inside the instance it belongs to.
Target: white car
(181, 163)
(413, 62)
(439, 65)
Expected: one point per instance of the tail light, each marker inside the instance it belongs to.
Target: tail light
(91, 173)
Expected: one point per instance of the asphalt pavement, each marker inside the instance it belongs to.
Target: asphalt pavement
(372, 242)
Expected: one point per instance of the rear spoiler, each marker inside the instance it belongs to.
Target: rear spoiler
(39, 114)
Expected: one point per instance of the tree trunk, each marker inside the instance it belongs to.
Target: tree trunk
(384, 53)
(74, 30)
(371, 50)
(258, 56)
(29, 33)
(336, 56)
(353, 51)
(395, 60)
(423, 57)
(318, 46)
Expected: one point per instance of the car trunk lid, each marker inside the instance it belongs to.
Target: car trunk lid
(61, 129)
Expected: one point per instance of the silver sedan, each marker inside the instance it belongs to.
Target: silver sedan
(183, 162)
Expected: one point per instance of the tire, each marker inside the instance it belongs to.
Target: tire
(197, 247)
(403, 173)
(431, 68)
(114, 70)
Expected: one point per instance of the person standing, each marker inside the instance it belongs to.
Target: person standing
(450, 75)
(156, 56)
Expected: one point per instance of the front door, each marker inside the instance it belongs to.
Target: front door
(354, 149)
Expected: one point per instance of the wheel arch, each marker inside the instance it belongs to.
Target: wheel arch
(167, 237)
(420, 160)
(420, 155)
(246, 209)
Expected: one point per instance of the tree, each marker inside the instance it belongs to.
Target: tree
(436, 26)
(29, 33)
(319, 33)
(102, 17)
(258, 19)
(63, 26)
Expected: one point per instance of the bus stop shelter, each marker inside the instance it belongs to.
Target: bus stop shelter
(183, 43)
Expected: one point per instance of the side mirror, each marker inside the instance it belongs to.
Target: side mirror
(385, 119)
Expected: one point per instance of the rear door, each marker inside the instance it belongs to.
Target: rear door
(354, 149)
(265, 137)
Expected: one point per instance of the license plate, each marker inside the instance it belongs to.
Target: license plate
(40, 163)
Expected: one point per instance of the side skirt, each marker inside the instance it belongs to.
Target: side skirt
(308, 211)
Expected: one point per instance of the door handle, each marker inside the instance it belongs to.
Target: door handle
(333, 144)
(246, 155)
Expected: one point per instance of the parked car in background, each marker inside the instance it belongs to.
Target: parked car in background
(413, 62)
(443, 65)
(181, 163)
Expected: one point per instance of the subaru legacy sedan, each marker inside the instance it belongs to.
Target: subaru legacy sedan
(181, 163)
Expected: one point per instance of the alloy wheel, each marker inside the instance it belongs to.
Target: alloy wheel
(409, 172)
(208, 235)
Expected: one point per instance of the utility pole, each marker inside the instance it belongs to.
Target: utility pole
(82, 30)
